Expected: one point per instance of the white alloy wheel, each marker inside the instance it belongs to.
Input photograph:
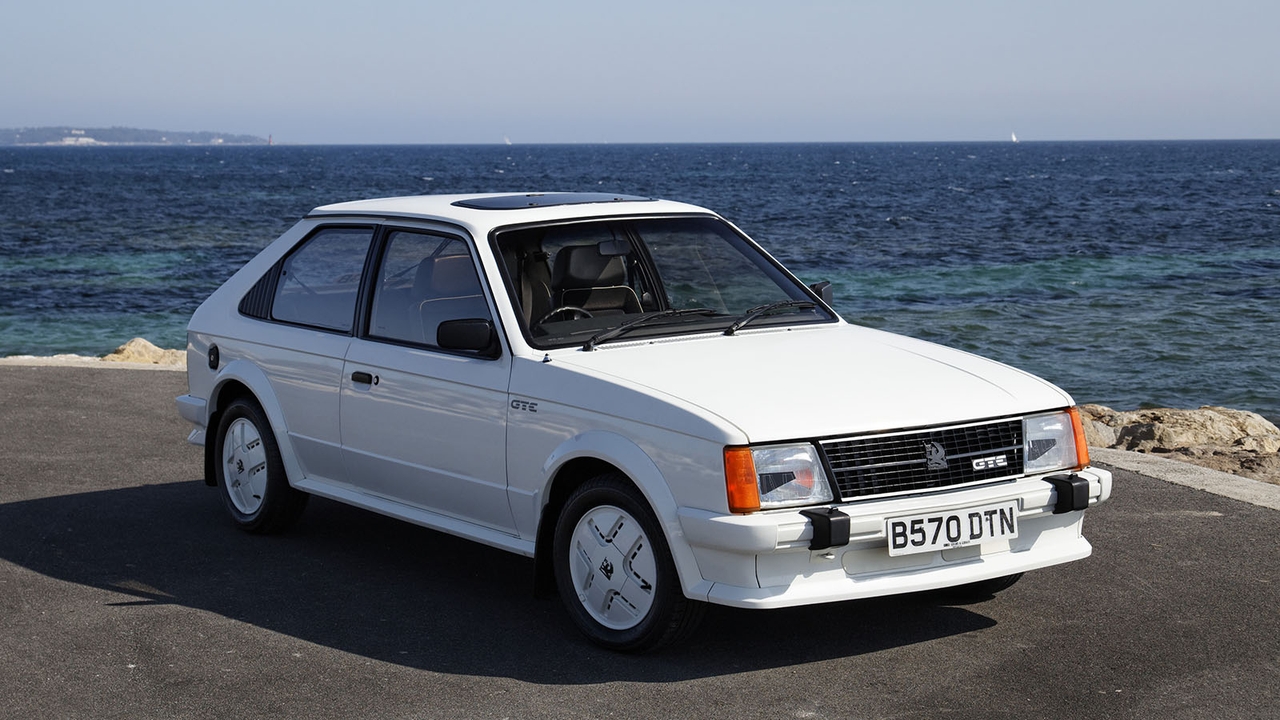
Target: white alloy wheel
(613, 567)
(250, 472)
(244, 466)
(614, 570)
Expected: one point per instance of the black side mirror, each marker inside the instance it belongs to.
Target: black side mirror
(825, 291)
(470, 334)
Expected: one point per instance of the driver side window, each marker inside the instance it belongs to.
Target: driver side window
(424, 280)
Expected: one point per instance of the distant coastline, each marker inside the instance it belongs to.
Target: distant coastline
(87, 137)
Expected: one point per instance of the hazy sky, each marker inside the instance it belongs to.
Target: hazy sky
(382, 71)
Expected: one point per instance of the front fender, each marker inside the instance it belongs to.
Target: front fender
(632, 461)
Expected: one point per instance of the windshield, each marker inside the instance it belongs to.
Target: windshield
(589, 282)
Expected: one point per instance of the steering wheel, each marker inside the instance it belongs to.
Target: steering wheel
(577, 312)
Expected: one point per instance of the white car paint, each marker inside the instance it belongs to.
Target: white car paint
(473, 446)
(820, 381)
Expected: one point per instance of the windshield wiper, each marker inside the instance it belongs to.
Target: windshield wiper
(643, 320)
(759, 310)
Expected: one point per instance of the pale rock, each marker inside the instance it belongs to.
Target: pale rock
(1261, 444)
(1098, 433)
(1235, 441)
(139, 350)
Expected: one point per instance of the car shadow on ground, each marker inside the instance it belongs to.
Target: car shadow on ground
(389, 591)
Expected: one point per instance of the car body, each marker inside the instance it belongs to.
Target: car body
(632, 392)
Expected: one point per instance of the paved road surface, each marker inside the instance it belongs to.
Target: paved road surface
(124, 592)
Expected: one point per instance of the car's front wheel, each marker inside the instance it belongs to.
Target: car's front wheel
(614, 571)
(250, 473)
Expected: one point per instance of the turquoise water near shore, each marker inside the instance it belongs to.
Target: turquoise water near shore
(1129, 273)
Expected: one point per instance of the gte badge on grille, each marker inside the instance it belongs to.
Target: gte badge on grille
(990, 463)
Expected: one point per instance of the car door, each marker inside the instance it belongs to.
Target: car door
(303, 347)
(422, 425)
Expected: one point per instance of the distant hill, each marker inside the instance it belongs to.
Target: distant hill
(120, 136)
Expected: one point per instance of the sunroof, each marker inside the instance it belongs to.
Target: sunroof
(532, 200)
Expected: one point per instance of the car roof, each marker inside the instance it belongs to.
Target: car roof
(489, 210)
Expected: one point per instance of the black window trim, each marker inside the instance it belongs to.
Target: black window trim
(270, 286)
(364, 303)
(380, 228)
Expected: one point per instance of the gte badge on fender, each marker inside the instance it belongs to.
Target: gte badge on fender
(524, 405)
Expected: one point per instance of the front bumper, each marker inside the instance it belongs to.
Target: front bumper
(764, 560)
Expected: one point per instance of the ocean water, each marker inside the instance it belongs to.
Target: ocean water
(1131, 274)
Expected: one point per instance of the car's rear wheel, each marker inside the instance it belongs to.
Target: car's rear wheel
(614, 570)
(250, 473)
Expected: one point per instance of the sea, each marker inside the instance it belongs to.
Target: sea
(1132, 274)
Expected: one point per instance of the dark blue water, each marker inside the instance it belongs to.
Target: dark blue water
(1128, 273)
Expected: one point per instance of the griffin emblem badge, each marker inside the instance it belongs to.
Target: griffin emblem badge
(935, 456)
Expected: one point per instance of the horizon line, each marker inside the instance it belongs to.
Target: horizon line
(502, 143)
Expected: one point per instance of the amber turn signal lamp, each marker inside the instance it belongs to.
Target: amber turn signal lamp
(740, 480)
(1082, 447)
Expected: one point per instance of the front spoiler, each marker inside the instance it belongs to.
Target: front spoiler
(767, 560)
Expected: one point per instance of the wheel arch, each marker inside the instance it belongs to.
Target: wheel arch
(596, 453)
(568, 477)
(243, 379)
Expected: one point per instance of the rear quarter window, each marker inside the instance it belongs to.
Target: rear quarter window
(320, 281)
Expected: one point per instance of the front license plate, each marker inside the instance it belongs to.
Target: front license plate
(957, 528)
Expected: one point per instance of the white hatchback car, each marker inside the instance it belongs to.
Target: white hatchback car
(632, 392)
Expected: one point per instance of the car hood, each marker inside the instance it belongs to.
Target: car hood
(780, 384)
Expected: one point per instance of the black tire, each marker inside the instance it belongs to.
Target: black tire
(644, 609)
(981, 590)
(250, 474)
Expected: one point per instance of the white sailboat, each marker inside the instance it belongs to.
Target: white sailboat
(1014, 136)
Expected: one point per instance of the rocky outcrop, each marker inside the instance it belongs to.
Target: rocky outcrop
(139, 350)
(1235, 441)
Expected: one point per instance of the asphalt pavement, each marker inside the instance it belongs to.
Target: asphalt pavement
(126, 592)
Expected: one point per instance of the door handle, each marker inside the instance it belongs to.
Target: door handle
(364, 378)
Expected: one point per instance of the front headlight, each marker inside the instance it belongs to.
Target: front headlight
(1053, 441)
(774, 476)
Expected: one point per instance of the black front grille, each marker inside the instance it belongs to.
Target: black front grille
(923, 459)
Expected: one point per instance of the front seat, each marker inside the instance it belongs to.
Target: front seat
(584, 278)
(452, 291)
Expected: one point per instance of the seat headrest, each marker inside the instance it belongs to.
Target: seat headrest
(446, 276)
(422, 278)
(582, 266)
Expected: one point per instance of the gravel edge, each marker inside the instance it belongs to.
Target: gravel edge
(1254, 492)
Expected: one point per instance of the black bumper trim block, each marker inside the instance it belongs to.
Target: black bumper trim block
(1073, 493)
(830, 528)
